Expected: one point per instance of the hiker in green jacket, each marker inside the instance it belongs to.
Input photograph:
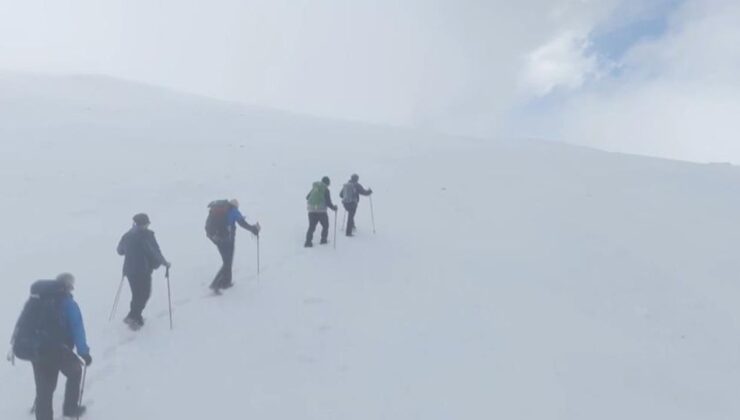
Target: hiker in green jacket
(319, 200)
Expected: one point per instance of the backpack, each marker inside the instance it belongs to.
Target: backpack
(349, 193)
(217, 221)
(317, 196)
(41, 328)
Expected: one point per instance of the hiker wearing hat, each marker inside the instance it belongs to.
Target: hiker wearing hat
(350, 196)
(141, 257)
(318, 200)
(223, 216)
(48, 331)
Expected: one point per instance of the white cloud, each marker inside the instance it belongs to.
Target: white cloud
(425, 62)
(563, 62)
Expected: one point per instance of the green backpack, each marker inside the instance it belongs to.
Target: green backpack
(317, 196)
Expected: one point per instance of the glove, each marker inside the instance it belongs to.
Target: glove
(256, 228)
(87, 358)
(369, 190)
(167, 264)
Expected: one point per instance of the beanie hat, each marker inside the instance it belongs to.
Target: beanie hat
(325, 180)
(68, 280)
(141, 219)
(354, 178)
(234, 202)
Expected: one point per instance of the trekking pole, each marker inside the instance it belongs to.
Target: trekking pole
(82, 387)
(258, 255)
(344, 218)
(115, 300)
(169, 294)
(335, 230)
(372, 213)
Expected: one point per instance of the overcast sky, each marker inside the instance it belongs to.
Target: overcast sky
(658, 77)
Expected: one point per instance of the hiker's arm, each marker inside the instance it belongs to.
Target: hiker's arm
(77, 326)
(243, 223)
(155, 252)
(328, 201)
(122, 246)
(362, 191)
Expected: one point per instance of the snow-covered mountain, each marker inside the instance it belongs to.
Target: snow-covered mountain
(507, 279)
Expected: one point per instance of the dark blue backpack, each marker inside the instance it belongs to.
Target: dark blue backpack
(40, 329)
(217, 227)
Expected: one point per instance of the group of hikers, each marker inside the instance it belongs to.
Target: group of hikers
(50, 327)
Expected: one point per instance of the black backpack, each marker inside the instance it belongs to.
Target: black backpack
(217, 223)
(41, 327)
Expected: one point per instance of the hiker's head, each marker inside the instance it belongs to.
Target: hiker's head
(234, 202)
(68, 280)
(326, 180)
(354, 178)
(141, 220)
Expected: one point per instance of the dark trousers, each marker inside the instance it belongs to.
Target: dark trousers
(46, 372)
(351, 210)
(141, 291)
(223, 277)
(314, 218)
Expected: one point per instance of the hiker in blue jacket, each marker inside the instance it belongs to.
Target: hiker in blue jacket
(65, 331)
(223, 216)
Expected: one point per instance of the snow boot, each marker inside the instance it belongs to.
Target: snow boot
(76, 412)
(308, 244)
(324, 242)
(133, 323)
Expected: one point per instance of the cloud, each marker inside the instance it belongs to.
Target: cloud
(657, 77)
(448, 64)
(563, 62)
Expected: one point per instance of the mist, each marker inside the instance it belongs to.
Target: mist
(586, 72)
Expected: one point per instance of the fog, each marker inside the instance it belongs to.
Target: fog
(582, 71)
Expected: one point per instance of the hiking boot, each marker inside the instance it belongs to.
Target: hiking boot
(308, 245)
(134, 323)
(349, 234)
(78, 411)
(324, 242)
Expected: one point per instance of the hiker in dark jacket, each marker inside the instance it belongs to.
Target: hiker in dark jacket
(142, 257)
(57, 354)
(319, 199)
(224, 237)
(350, 196)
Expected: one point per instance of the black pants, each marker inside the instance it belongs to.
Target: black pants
(223, 277)
(351, 210)
(141, 291)
(314, 218)
(46, 372)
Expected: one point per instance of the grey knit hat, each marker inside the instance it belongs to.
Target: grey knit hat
(68, 279)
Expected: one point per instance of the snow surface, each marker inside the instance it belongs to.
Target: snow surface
(507, 279)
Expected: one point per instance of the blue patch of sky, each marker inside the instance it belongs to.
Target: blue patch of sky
(615, 40)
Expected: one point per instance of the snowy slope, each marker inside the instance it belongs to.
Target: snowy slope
(510, 279)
